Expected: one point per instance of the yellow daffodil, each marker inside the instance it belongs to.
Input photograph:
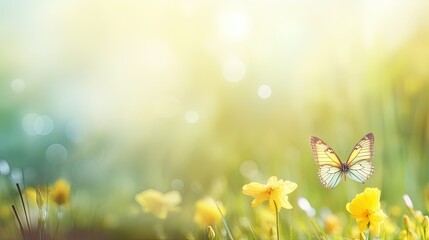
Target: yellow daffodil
(207, 213)
(157, 203)
(275, 192)
(60, 192)
(365, 208)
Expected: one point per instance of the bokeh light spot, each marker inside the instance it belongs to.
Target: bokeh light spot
(304, 204)
(233, 69)
(192, 117)
(16, 175)
(18, 85)
(264, 91)
(28, 123)
(43, 125)
(177, 184)
(249, 169)
(56, 153)
(4, 167)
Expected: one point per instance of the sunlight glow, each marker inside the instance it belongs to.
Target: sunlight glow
(234, 26)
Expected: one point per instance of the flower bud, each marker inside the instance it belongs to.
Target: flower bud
(407, 222)
(408, 202)
(210, 233)
(39, 198)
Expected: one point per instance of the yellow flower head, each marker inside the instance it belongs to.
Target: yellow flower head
(60, 192)
(207, 213)
(158, 203)
(365, 208)
(275, 191)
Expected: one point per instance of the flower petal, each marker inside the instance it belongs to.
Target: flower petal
(253, 189)
(289, 187)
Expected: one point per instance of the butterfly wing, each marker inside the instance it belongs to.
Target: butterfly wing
(330, 164)
(359, 164)
(329, 176)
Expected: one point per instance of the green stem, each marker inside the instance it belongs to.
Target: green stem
(277, 220)
(59, 216)
(39, 224)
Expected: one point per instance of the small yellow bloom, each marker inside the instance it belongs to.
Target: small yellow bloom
(207, 213)
(365, 208)
(60, 192)
(332, 225)
(275, 191)
(158, 203)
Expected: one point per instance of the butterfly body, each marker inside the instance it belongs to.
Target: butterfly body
(357, 167)
(344, 168)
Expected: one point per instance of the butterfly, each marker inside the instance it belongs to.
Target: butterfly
(357, 167)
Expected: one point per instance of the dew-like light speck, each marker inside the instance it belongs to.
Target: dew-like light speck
(18, 85)
(264, 91)
(56, 153)
(192, 117)
(233, 69)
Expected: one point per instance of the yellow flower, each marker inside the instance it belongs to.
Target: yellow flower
(158, 203)
(275, 191)
(60, 192)
(365, 208)
(207, 213)
(332, 225)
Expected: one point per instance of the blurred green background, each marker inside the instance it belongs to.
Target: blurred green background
(205, 96)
